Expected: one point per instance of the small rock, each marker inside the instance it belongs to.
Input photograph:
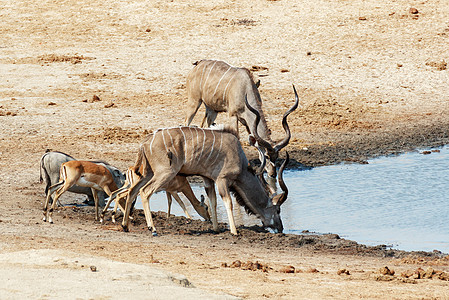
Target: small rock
(93, 268)
(386, 271)
(95, 98)
(413, 11)
(312, 270)
(287, 269)
(362, 18)
(426, 152)
(343, 271)
(110, 104)
(51, 103)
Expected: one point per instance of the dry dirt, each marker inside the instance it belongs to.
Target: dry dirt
(91, 78)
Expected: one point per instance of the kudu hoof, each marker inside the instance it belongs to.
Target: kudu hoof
(154, 233)
(125, 228)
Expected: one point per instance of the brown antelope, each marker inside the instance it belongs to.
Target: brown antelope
(223, 88)
(179, 184)
(81, 173)
(218, 157)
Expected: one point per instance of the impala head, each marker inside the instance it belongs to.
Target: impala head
(272, 214)
(272, 152)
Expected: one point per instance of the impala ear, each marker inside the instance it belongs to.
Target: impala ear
(257, 83)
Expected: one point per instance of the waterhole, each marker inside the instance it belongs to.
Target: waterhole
(399, 201)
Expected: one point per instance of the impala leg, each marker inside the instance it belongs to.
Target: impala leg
(112, 196)
(118, 199)
(181, 203)
(96, 200)
(51, 190)
(58, 194)
(223, 190)
(209, 186)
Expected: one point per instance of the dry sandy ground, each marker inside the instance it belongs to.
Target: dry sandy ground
(372, 80)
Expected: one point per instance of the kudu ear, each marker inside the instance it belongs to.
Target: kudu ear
(117, 173)
(252, 140)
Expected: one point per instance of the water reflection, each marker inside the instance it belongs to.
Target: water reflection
(400, 201)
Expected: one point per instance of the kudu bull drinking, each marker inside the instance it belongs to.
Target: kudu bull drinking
(223, 88)
(218, 157)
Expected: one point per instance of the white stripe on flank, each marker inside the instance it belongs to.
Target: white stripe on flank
(185, 143)
(213, 144)
(163, 138)
(193, 144)
(197, 137)
(171, 139)
(207, 78)
(151, 144)
(224, 92)
(219, 150)
(202, 73)
(202, 148)
(219, 81)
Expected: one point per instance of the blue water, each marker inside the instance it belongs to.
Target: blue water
(399, 201)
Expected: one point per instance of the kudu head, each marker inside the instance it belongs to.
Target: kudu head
(272, 152)
(272, 214)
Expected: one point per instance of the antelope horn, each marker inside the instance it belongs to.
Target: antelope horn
(259, 140)
(263, 162)
(282, 197)
(285, 141)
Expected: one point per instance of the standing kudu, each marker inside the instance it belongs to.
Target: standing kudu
(223, 88)
(218, 157)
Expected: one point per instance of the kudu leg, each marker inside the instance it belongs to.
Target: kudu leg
(132, 195)
(223, 190)
(156, 182)
(209, 186)
(192, 107)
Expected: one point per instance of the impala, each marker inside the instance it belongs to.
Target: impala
(81, 173)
